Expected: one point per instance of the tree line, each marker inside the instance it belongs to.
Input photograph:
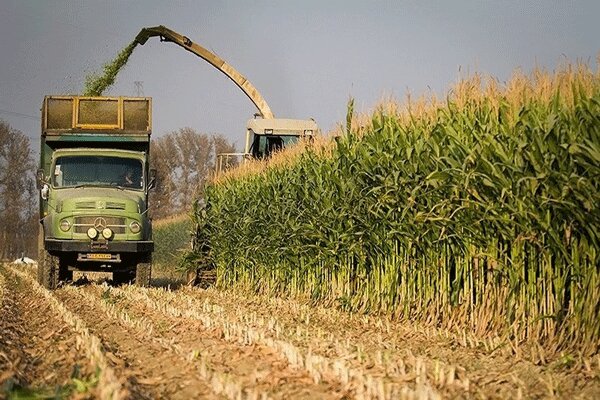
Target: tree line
(18, 197)
(184, 160)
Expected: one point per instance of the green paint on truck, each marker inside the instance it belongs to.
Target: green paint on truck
(94, 179)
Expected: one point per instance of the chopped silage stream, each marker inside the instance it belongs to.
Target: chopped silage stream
(97, 83)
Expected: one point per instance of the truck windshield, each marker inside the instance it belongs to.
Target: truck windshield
(72, 171)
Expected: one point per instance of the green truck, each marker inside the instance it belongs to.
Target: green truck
(94, 179)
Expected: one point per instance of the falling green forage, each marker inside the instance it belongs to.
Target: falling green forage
(95, 84)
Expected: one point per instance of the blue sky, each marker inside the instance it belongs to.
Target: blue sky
(306, 57)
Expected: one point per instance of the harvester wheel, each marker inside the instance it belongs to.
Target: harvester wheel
(192, 277)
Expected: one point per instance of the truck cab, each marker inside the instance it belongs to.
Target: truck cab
(94, 180)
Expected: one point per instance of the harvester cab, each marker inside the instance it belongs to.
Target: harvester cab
(264, 137)
(267, 136)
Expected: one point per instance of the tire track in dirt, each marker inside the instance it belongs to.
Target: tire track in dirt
(455, 366)
(191, 343)
(145, 364)
(236, 369)
(43, 347)
(359, 379)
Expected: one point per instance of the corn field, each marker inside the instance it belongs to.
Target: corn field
(478, 213)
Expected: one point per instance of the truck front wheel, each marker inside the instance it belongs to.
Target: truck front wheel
(48, 268)
(143, 272)
(48, 265)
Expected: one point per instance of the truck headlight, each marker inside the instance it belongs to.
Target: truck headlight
(65, 225)
(92, 233)
(135, 227)
(107, 233)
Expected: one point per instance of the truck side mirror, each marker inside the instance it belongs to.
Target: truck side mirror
(40, 181)
(152, 180)
(44, 191)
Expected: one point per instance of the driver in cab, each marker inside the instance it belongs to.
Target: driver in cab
(127, 179)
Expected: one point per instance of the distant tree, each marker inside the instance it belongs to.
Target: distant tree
(195, 160)
(164, 158)
(18, 199)
(184, 161)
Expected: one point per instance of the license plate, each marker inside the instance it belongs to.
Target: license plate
(99, 256)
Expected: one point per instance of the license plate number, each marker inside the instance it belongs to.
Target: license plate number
(99, 256)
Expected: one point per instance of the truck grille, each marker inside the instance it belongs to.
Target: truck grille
(111, 205)
(116, 224)
(85, 205)
(91, 205)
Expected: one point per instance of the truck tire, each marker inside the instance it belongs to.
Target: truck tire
(48, 265)
(143, 272)
(48, 270)
(64, 274)
(40, 254)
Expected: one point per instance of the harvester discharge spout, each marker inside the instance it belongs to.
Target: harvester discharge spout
(168, 35)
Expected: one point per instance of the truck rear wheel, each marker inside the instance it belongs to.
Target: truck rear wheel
(143, 272)
(64, 274)
(122, 277)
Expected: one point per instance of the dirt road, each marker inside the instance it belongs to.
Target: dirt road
(92, 340)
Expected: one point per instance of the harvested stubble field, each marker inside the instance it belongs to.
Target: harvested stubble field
(93, 340)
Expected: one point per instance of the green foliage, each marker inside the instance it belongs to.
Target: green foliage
(78, 385)
(200, 256)
(110, 298)
(482, 214)
(171, 240)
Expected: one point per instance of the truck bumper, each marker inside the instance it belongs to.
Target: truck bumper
(109, 247)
